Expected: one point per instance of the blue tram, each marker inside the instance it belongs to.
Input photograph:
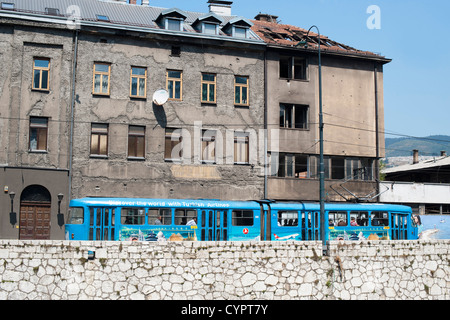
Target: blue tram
(127, 219)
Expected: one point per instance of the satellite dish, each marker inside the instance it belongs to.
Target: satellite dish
(160, 97)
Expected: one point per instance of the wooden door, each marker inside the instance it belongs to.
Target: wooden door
(34, 221)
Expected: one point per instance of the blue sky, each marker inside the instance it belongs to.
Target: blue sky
(413, 33)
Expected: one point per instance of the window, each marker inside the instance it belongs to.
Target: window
(174, 24)
(241, 90)
(359, 219)
(175, 51)
(242, 218)
(136, 142)
(99, 139)
(38, 134)
(138, 82)
(360, 169)
(337, 219)
(239, 32)
(210, 28)
(41, 74)
(208, 151)
(379, 219)
(101, 17)
(52, 11)
(102, 73)
(208, 88)
(175, 84)
(293, 116)
(7, 6)
(293, 166)
(76, 216)
(160, 217)
(132, 216)
(293, 68)
(173, 145)
(183, 216)
(241, 148)
(337, 168)
(287, 218)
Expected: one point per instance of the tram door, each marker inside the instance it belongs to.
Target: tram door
(214, 225)
(101, 224)
(399, 226)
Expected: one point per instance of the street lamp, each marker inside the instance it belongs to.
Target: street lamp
(321, 162)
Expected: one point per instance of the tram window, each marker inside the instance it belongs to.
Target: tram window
(287, 218)
(242, 218)
(360, 218)
(160, 217)
(76, 216)
(337, 219)
(133, 216)
(183, 216)
(379, 219)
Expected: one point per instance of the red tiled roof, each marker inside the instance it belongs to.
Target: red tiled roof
(289, 36)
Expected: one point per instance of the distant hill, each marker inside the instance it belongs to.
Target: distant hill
(427, 146)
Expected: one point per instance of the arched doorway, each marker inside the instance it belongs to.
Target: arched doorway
(35, 213)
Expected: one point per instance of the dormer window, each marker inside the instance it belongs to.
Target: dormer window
(171, 19)
(238, 28)
(239, 32)
(208, 24)
(103, 18)
(173, 24)
(210, 28)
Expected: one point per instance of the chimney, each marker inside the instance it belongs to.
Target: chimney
(220, 7)
(443, 153)
(266, 17)
(415, 156)
(145, 2)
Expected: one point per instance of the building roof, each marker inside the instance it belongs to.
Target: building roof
(119, 14)
(424, 165)
(288, 36)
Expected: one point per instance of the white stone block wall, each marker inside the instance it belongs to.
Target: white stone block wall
(217, 270)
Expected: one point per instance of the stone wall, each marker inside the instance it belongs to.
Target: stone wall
(212, 270)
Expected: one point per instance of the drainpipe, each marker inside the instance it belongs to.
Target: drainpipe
(377, 134)
(266, 134)
(72, 107)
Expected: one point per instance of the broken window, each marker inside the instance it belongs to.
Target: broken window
(293, 166)
(293, 116)
(293, 68)
(38, 134)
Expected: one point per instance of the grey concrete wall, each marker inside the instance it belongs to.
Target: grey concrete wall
(386, 270)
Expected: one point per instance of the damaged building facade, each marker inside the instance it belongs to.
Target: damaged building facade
(114, 98)
(352, 82)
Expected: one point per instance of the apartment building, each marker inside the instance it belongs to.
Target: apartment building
(122, 99)
(111, 99)
(352, 82)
